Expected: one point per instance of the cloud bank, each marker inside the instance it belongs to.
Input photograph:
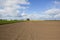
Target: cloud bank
(50, 14)
(9, 9)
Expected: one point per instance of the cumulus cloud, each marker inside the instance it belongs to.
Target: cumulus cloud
(54, 13)
(50, 14)
(9, 8)
(35, 16)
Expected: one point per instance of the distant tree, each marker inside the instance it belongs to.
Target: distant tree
(28, 19)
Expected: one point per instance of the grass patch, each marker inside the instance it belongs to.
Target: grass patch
(10, 21)
(15, 21)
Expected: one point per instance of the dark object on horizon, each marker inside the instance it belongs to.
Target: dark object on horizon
(28, 19)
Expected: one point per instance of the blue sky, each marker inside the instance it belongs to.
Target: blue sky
(33, 9)
(40, 6)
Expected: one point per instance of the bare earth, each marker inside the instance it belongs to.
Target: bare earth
(39, 30)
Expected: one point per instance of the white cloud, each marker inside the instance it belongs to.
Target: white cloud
(54, 13)
(35, 16)
(10, 7)
(50, 14)
(58, 15)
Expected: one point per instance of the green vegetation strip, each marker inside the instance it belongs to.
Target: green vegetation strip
(10, 21)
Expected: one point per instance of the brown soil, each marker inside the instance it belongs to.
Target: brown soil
(39, 30)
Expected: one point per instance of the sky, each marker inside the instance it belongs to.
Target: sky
(32, 9)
